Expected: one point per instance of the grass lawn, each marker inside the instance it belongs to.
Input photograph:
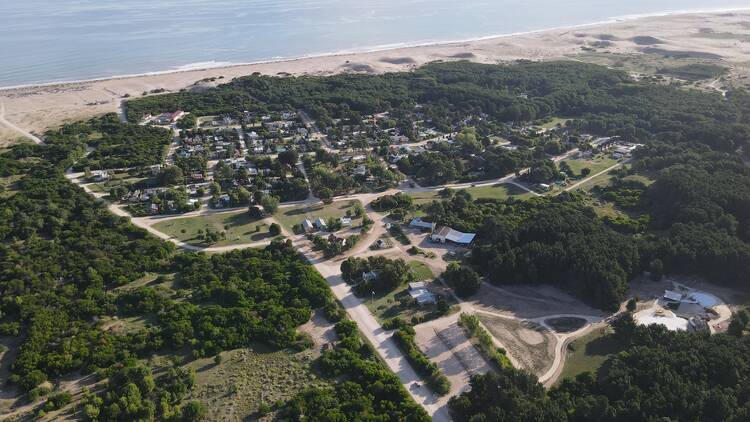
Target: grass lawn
(554, 122)
(239, 228)
(421, 271)
(607, 209)
(250, 377)
(424, 197)
(115, 179)
(499, 191)
(596, 164)
(589, 352)
(387, 306)
(600, 180)
(646, 180)
(289, 216)
(606, 178)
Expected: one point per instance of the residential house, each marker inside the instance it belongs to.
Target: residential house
(422, 296)
(99, 176)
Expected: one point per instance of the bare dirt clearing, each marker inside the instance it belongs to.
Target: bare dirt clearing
(446, 344)
(528, 302)
(530, 344)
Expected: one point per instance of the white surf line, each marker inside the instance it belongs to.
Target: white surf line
(13, 127)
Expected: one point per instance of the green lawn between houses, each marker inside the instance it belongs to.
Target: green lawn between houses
(240, 228)
(289, 216)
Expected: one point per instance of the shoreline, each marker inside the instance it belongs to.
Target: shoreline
(196, 66)
(718, 37)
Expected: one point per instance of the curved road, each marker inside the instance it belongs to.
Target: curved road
(380, 339)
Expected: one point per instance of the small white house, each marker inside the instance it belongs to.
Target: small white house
(420, 224)
(320, 224)
(99, 176)
(345, 221)
(307, 226)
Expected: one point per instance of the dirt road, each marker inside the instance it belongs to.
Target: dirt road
(15, 128)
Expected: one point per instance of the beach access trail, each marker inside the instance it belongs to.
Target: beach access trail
(14, 128)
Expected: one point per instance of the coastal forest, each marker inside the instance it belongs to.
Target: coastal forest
(67, 265)
(694, 218)
(659, 375)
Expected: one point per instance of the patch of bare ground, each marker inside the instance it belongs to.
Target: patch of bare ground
(528, 302)
(530, 344)
(234, 389)
(446, 344)
(245, 379)
(320, 330)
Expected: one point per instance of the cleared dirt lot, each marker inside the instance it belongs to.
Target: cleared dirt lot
(528, 302)
(530, 344)
(446, 344)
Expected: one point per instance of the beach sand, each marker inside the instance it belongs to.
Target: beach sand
(639, 45)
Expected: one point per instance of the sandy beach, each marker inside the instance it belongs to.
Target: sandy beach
(638, 45)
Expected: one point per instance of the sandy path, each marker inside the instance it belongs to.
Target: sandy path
(330, 270)
(15, 128)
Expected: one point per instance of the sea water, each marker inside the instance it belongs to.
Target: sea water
(45, 41)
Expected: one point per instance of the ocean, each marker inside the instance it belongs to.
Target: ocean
(44, 41)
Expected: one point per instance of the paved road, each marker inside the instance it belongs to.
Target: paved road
(381, 340)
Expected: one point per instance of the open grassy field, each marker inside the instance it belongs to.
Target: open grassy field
(239, 227)
(554, 122)
(500, 191)
(424, 197)
(245, 379)
(588, 353)
(596, 163)
(289, 216)
(115, 179)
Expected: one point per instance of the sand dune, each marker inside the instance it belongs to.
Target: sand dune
(715, 37)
